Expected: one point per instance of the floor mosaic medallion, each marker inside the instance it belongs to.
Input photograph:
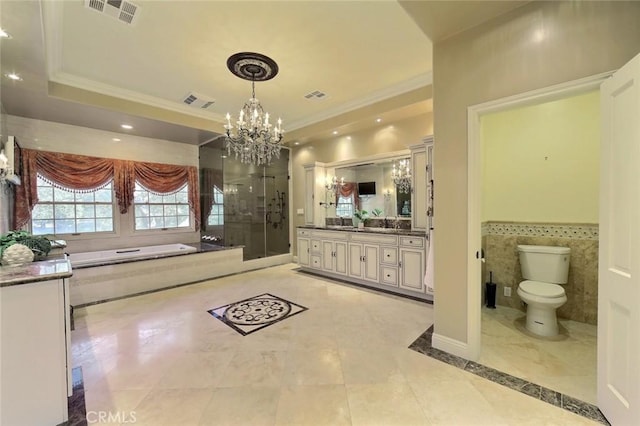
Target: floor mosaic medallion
(256, 313)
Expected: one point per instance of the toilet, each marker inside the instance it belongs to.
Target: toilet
(544, 269)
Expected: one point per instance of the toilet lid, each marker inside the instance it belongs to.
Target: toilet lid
(541, 289)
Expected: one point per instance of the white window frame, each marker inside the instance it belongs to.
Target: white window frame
(350, 203)
(81, 234)
(170, 229)
(217, 192)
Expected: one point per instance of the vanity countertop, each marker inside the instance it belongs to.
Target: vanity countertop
(386, 231)
(51, 269)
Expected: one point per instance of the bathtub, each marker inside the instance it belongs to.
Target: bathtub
(101, 276)
(95, 258)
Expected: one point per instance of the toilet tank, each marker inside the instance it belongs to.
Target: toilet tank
(544, 263)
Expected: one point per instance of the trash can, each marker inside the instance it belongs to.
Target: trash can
(490, 292)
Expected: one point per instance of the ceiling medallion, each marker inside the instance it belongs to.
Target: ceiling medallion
(255, 140)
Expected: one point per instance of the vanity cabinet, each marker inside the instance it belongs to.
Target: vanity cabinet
(393, 262)
(334, 256)
(35, 363)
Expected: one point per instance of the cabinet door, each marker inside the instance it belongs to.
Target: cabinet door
(371, 262)
(355, 260)
(309, 186)
(340, 258)
(303, 251)
(419, 192)
(411, 268)
(327, 255)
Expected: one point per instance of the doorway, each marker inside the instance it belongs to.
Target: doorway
(479, 215)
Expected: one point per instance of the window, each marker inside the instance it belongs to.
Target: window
(67, 211)
(344, 208)
(160, 211)
(216, 217)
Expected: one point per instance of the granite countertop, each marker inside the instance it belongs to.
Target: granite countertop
(386, 231)
(51, 269)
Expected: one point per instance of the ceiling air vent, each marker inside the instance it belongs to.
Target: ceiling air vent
(197, 100)
(316, 94)
(123, 11)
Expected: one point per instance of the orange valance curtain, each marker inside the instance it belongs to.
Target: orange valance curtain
(347, 189)
(210, 179)
(84, 173)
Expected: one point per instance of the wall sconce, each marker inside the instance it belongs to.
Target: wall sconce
(387, 193)
(333, 184)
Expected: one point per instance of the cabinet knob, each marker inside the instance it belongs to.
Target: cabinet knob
(388, 255)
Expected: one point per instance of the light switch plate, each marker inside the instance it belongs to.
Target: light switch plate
(300, 211)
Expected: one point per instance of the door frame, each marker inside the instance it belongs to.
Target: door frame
(474, 183)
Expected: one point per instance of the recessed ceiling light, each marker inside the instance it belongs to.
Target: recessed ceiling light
(4, 34)
(115, 140)
(13, 76)
(349, 138)
(223, 156)
(335, 132)
(378, 120)
(127, 126)
(296, 143)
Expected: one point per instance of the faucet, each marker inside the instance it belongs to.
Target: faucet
(397, 223)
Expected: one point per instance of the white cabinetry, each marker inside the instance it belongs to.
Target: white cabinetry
(382, 260)
(314, 178)
(421, 172)
(412, 263)
(334, 256)
(34, 361)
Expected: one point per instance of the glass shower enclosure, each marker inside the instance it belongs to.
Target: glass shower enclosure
(243, 204)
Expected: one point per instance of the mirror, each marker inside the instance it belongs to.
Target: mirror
(377, 189)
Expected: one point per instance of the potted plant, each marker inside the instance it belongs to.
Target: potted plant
(361, 215)
(39, 245)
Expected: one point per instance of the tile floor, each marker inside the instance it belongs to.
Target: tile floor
(566, 363)
(163, 359)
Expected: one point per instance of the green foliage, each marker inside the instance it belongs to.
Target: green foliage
(376, 212)
(361, 214)
(39, 245)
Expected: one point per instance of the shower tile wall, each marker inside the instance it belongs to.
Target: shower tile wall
(500, 241)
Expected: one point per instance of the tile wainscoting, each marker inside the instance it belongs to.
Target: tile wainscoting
(500, 241)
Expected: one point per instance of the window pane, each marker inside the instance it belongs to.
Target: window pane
(156, 210)
(142, 210)
(45, 194)
(183, 220)
(181, 197)
(169, 199)
(85, 211)
(43, 211)
(103, 196)
(170, 222)
(183, 209)
(65, 226)
(84, 197)
(140, 197)
(42, 227)
(86, 225)
(153, 198)
(104, 211)
(142, 223)
(170, 210)
(62, 195)
(104, 225)
(64, 211)
(156, 223)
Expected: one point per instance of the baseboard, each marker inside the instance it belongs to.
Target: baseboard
(452, 346)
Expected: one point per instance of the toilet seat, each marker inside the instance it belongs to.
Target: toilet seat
(540, 289)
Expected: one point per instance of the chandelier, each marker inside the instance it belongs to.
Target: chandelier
(255, 139)
(401, 175)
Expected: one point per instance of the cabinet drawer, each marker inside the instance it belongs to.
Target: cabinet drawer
(412, 242)
(373, 238)
(304, 232)
(331, 235)
(316, 246)
(389, 255)
(315, 262)
(389, 275)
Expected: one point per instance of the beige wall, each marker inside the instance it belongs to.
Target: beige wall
(541, 162)
(535, 46)
(57, 137)
(387, 137)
